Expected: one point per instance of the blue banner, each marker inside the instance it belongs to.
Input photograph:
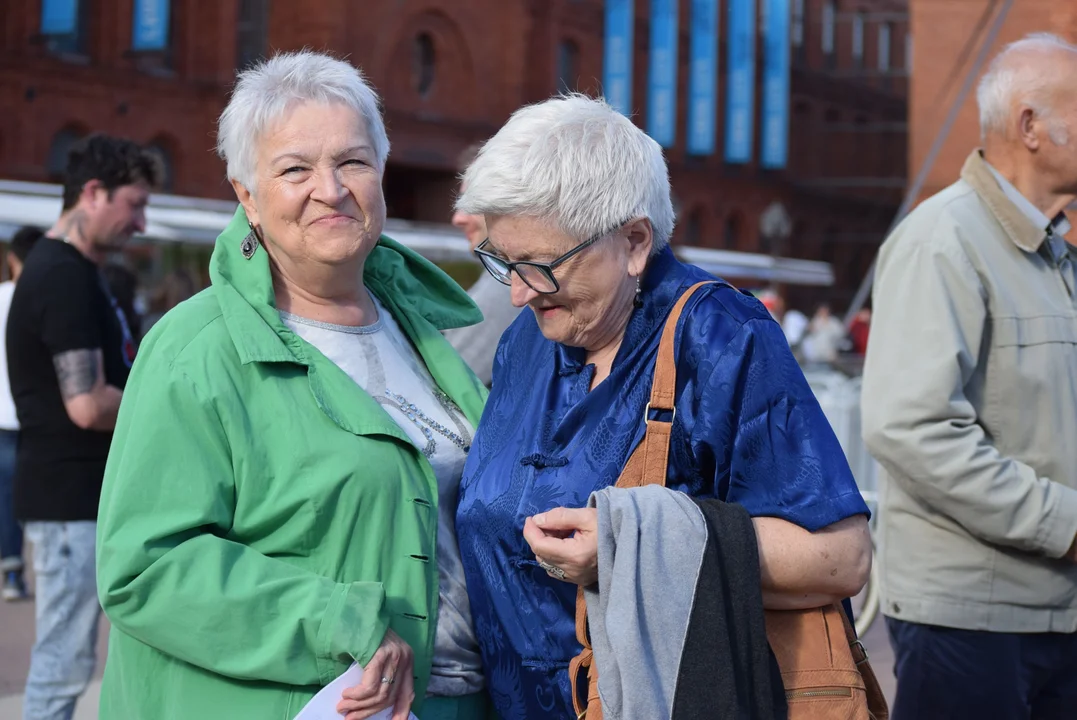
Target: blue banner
(775, 140)
(662, 86)
(59, 17)
(740, 89)
(703, 77)
(150, 31)
(617, 55)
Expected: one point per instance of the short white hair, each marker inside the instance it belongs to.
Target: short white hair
(575, 163)
(1011, 81)
(267, 90)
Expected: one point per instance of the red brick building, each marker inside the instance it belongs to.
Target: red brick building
(450, 72)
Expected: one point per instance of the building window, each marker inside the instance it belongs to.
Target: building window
(423, 61)
(160, 149)
(59, 149)
(884, 47)
(858, 39)
(827, 38)
(798, 23)
(731, 235)
(153, 33)
(568, 65)
(693, 228)
(908, 53)
(252, 32)
(64, 26)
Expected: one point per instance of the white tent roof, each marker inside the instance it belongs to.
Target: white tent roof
(172, 218)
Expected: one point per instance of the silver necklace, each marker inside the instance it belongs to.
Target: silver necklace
(428, 425)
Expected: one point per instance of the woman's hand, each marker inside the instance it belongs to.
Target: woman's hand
(387, 682)
(567, 540)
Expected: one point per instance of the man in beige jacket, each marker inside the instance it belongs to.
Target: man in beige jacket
(970, 406)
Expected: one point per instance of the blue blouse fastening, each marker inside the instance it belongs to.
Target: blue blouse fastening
(747, 430)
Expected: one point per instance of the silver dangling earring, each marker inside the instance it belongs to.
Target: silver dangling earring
(250, 243)
(638, 301)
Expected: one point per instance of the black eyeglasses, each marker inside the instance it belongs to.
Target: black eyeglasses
(538, 276)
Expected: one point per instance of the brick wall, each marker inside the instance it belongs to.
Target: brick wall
(490, 56)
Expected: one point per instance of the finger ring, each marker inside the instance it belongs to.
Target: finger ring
(552, 570)
(388, 681)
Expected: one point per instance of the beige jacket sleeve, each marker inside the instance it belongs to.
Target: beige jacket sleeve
(930, 312)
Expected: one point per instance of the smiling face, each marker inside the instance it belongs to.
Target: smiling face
(592, 308)
(317, 198)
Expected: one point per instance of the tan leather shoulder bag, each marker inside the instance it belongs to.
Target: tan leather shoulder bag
(824, 668)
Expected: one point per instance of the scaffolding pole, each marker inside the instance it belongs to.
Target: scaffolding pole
(917, 186)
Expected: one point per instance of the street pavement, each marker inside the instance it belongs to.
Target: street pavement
(17, 637)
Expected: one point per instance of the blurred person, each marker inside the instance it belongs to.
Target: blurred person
(478, 343)
(279, 502)
(859, 329)
(970, 406)
(577, 203)
(175, 287)
(825, 337)
(11, 561)
(794, 323)
(69, 353)
(123, 287)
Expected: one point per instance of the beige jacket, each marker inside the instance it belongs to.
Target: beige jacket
(970, 406)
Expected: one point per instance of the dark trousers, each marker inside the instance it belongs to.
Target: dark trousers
(10, 530)
(949, 674)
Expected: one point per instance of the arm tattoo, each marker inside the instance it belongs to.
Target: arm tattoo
(77, 371)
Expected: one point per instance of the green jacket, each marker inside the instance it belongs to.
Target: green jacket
(263, 520)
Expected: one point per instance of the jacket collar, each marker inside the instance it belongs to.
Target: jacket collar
(406, 283)
(1022, 230)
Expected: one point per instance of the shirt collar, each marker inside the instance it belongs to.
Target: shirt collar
(1052, 228)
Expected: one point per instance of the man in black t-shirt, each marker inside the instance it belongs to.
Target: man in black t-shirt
(69, 352)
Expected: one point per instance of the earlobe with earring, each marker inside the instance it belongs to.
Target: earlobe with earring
(250, 243)
(638, 301)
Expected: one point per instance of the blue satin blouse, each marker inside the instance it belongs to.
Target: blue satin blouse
(747, 430)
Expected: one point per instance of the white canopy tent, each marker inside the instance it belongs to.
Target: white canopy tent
(198, 221)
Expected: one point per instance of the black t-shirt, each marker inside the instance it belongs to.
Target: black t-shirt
(60, 303)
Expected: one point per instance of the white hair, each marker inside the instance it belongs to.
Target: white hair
(575, 163)
(1012, 81)
(266, 91)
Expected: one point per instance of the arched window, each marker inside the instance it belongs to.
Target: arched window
(56, 165)
(568, 65)
(731, 235)
(161, 148)
(693, 228)
(423, 62)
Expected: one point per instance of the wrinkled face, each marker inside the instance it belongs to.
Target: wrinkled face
(317, 197)
(109, 220)
(594, 303)
(1054, 136)
(1061, 156)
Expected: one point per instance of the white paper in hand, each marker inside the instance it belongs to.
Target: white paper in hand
(323, 706)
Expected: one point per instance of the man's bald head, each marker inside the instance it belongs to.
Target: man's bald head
(1028, 77)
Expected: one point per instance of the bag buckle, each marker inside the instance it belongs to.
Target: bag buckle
(647, 413)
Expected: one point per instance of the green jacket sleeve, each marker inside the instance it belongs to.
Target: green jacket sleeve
(168, 574)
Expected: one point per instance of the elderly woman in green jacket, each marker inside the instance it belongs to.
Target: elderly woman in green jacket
(279, 499)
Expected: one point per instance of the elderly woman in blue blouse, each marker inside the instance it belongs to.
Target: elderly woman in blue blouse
(577, 204)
